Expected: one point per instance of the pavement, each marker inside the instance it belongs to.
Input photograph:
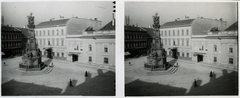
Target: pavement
(100, 81)
(224, 82)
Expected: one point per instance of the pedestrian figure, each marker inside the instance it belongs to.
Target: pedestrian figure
(211, 74)
(70, 83)
(129, 63)
(86, 74)
(4, 63)
(195, 83)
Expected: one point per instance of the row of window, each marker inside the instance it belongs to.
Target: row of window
(176, 41)
(175, 32)
(230, 49)
(11, 36)
(58, 54)
(105, 59)
(135, 36)
(178, 53)
(135, 44)
(51, 41)
(49, 32)
(11, 44)
(105, 49)
(230, 60)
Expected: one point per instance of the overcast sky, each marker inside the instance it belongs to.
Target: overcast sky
(141, 12)
(16, 13)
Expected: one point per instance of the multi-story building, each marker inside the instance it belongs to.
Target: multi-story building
(177, 35)
(136, 40)
(11, 41)
(51, 35)
(25, 34)
(223, 46)
(93, 47)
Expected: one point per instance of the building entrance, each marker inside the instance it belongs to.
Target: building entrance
(174, 53)
(74, 57)
(199, 58)
(49, 53)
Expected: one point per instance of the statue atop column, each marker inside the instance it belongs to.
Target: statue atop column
(31, 21)
(156, 24)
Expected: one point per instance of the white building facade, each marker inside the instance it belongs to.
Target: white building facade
(51, 35)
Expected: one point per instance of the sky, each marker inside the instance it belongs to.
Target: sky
(141, 13)
(16, 13)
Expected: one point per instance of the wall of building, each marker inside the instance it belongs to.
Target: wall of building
(97, 53)
(223, 52)
(199, 46)
(57, 38)
(182, 38)
(11, 41)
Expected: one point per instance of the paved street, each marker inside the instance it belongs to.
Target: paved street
(224, 82)
(100, 81)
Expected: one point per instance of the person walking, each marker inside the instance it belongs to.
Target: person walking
(195, 83)
(70, 83)
(86, 74)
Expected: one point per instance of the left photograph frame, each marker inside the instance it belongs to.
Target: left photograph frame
(58, 48)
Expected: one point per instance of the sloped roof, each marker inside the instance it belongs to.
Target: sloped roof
(233, 27)
(133, 28)
(52, 23)
(179, 23)
(24, 31)
(150, 31)
(9, 29)
(109, 26)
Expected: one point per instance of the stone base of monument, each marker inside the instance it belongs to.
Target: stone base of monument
(31, 64)
(156, 64)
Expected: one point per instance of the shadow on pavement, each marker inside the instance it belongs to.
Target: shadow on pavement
(224, 85)
(101, 85)
(141, 88)
(172, 62)
(47, 62)
(15, 88)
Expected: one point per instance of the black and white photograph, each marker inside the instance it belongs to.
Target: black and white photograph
(181, 48)
(54, 48)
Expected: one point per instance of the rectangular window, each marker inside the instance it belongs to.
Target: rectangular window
(169, 41)
(89, 59)
(105, 49)
(53, 53)
(177, 32)
(230, 60)
(62, 41)
(178, 53)
(187, 41)
(214, 59)
(215, 48)
(53, 43)
(173, 32)
(40, 33)
(182, 32)
(106, 60)
(165, 33)
(57, 41)
(48, 32)
(44, 32)
(187, 54)
(182, 42)
(62, 31)
(57, 54)
(187, 32)
(169, 32)
(62, 54)
(231, 50)
(52, 32)
(90, 47)
(182, 54)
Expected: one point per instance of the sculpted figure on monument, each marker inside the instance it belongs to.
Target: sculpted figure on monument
(31, 21)
(156, 21)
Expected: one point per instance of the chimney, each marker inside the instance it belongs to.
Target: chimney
(220, 19)
(95, 19)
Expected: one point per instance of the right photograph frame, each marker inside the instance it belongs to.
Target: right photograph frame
(181, 48)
